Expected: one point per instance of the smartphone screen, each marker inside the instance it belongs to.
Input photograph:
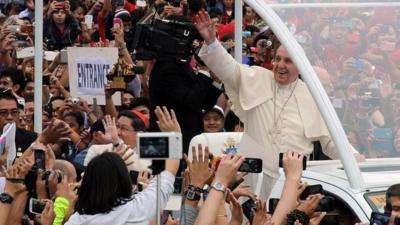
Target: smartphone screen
(89, 21)
(272, 203)
(178, 185)
(36, 206)
(46, 80)
(117, 22)
(251, 165)
(134, 176)
(39, 159)
(281, 161)
(311, 190)
(247, 207)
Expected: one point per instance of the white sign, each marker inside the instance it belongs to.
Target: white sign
(88, 68)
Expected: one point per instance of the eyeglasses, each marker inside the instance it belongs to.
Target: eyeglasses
(125, 129)
(12, 112)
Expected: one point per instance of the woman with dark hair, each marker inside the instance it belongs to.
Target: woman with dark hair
(60, 28)
(105, 196)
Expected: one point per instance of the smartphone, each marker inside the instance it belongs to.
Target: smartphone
(251, 165)
(15, 28)
(327, 204)
(383, 133)
(236, 184)
(36, 206)
(281, 161)
(178, 186)
(311, 190)
(164, 216)
(247, 207)
(330, 219)
(89, 21)
(117, 22)
(39, 159)
(25, 52)
(63, 56)
(379, 218)
(272, 203)
(21, 37)
(46, 80)
(134, 176)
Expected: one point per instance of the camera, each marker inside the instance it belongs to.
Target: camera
(164, 38)
(160, 145)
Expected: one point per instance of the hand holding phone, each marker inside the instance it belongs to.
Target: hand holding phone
(247, 208)
(89, 21)
(117, 23)
(36, 206)
(281, 161)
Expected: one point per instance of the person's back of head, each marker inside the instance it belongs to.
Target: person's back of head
(105, 185)
(393, 199)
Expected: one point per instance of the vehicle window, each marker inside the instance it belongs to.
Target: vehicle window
(376, 200)
(355, 52)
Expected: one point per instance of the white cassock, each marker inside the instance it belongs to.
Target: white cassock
(276, 118)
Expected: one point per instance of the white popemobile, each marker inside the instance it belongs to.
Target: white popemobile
(358, 188)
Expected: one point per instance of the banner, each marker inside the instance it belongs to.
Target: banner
(88, 68)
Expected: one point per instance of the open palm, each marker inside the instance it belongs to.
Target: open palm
(205, 26)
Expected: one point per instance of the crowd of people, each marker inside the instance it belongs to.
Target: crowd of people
(79, 167)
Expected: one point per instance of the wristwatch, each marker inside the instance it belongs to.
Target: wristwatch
(6, 198)
(219, 186)
(193, 193)
(116, 145)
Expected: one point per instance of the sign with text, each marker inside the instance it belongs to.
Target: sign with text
(88, 68)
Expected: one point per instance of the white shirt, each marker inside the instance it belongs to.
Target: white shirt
(140, 210)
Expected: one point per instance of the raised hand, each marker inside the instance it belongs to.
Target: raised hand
(111, 129)
(167, 121)
(310, 204)
(236, 209)
(293, 165)
(47, 217)
(260, 212)
(205, 26)
(199, 172)
(227, 169)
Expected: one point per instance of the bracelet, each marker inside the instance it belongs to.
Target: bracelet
(77, 143)
(296, 214)
(222, 215)
(195, 188)
(16, 180)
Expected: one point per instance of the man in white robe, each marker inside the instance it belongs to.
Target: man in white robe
(276, 107)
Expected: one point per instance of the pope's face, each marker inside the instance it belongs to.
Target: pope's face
(285, 72)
